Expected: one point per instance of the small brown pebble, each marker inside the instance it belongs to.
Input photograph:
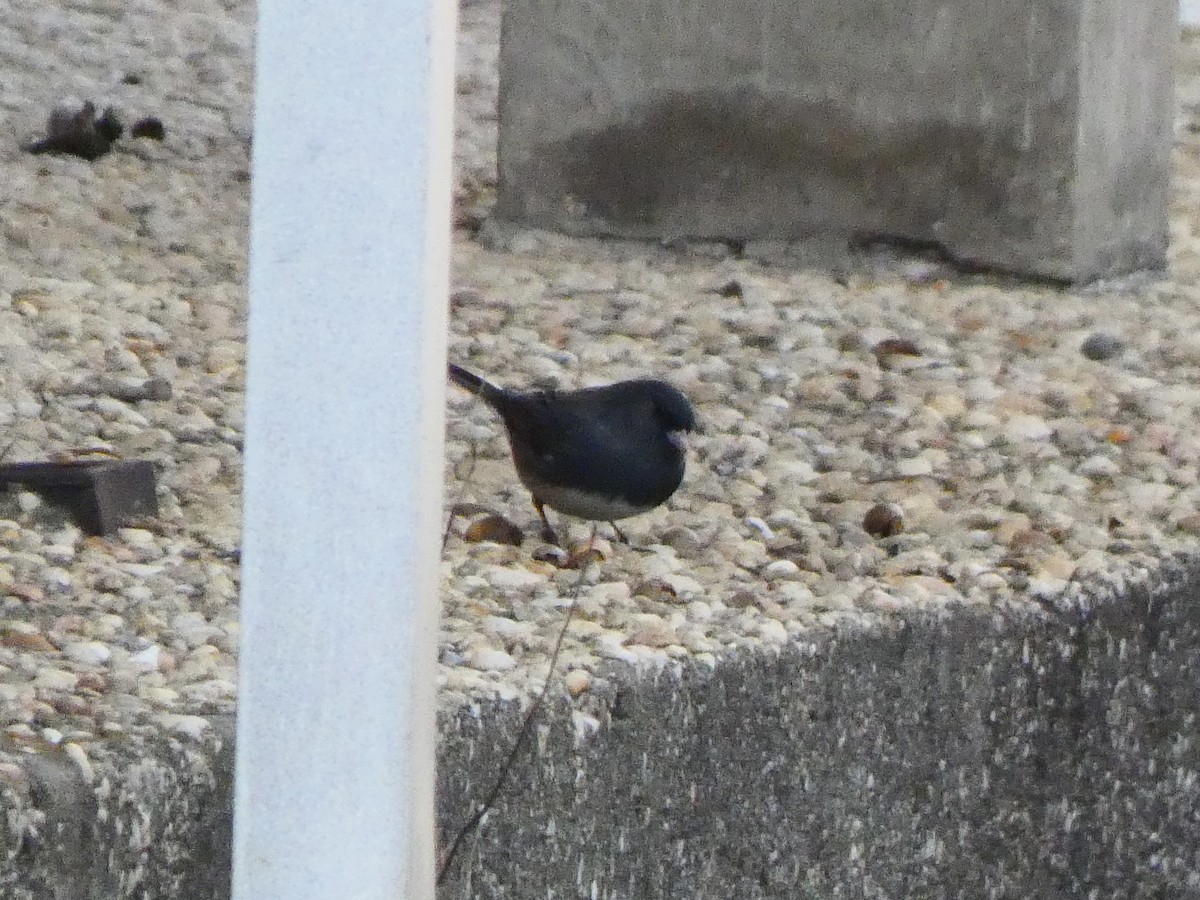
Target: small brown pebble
(26, 640)
(655, 589)
(895, 347)
(1189, 523)
(90, 681)
(742, 600)
(71, 705)
(494, 528)
(577, 681)
(883, 520)
(849, 341)
(583, 555)
(30, 593)
(465, 296)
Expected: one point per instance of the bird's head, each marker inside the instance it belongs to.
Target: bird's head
(672, 410)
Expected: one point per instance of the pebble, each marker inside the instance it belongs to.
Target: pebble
(55, 680)
(1100, 345)
(488, 659)
(1022, 428)
(146, 660)
(577, 681)
(781, 569)
(193, 727)
(88, 653)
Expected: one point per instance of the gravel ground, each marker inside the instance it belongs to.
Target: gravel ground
(894, 437)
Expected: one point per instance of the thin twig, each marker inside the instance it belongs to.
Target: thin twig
(522, 736)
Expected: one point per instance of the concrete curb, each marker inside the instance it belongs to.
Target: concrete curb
(968, 753)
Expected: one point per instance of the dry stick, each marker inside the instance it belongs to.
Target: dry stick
(526, 729)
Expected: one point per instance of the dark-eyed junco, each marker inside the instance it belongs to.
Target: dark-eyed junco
(600, 453)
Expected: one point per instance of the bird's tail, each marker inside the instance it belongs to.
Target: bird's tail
(469, 381)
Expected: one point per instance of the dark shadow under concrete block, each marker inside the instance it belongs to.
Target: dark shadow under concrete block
(1025, 135)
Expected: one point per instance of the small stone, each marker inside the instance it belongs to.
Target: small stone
(508, 578)
(1100, 345)
(88, 653)
(773, 631)
(25, 640)
(92, 682)
(895, 347)
(79, 756)
(761, 527)
(30, 593)
(883, 520)
(914, 467)
(146, 660)
(1026, 428)
(650, 630)
(192, 727)
(781, 569)
(494, 528)
(160, 696)
(1099, 466)
(55, 680)
(577, 681)
(489, 659)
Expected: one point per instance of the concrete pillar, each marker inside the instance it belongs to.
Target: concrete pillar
(349, 264)
(1028, 135)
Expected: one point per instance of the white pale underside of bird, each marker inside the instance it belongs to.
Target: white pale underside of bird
(582, 505)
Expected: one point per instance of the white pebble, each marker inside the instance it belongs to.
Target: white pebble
(489, 659)
(56, 680)
(1022, 428)
(1099, 466)
(773, 631)
(914, 467)
(146, 660)
(188, 726)
(88, 653)
(78, 756)
(781, 569)
(512, 578)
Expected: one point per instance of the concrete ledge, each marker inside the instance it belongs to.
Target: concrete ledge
(1031, 138)
(152, 818)
(967, 753)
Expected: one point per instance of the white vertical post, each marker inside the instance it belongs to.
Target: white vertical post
(1189, 12)
(348, 285)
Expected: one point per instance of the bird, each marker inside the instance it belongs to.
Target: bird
(600, 453)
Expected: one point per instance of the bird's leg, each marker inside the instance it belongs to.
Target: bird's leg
(620, 534)
(548, 534)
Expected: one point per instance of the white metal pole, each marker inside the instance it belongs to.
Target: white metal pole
(348, 284)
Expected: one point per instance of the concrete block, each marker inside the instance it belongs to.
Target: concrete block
(1026, 135)
(978, 752)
